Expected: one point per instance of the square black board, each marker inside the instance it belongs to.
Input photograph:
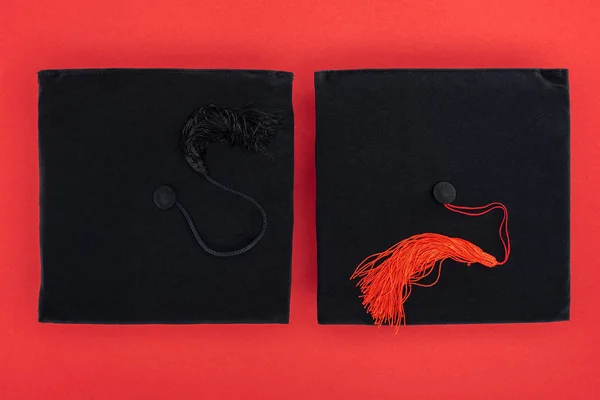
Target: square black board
(107, 140)
(386, 137)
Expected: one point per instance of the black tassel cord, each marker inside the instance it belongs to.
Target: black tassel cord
(248, 128)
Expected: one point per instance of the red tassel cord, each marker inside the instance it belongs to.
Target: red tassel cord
(386, 278)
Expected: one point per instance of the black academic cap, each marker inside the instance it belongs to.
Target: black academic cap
(399, 150)
(166, 196)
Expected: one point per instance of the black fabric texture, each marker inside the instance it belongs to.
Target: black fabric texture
(107, 140)
(386, 137)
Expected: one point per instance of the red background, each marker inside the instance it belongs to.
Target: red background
(302, 359)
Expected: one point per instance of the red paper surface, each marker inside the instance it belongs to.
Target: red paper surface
(301, 360)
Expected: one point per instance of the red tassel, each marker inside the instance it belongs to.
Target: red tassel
(386, 278)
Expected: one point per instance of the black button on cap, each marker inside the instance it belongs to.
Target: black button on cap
(164, 197)
(444, 192)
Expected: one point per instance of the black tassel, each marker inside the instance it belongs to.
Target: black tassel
(248, 128)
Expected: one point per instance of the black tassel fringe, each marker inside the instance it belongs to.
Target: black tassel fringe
(248, 128)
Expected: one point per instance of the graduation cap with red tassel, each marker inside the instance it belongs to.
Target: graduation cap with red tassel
(385, 138)
(386, 278)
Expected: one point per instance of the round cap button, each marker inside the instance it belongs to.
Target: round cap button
(164, 197)
(444, 192)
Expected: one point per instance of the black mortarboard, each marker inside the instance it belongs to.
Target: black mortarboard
(166, 196)
(402, 156)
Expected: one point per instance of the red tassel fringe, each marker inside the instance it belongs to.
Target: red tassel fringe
(386, 278)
